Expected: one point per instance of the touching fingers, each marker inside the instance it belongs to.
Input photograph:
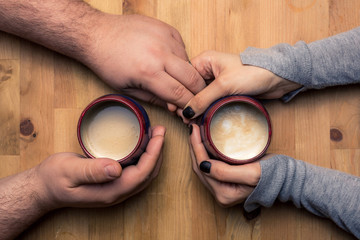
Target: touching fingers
(201, 101)
(204, 63)
(222, 69)
(185, 73)
(168, 89)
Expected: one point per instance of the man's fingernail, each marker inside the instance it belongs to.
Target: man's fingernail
(191, 128)
(111, 171)
(188, 112)
(205, 166)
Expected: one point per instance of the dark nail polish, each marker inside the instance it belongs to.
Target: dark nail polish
(188, 112)
(253, 214)
(205, 166)
(190, 129)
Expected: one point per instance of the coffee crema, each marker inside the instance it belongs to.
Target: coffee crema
(239, 130)
(110, 130)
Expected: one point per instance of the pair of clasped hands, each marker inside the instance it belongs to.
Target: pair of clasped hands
(148, 61)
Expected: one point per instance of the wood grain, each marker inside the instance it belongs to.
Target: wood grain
(44, 92)
(9, 107)
(9, 165)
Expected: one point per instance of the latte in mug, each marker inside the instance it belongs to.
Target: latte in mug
(116, 127)
(239, 131)
(110, 131)
(236, 129)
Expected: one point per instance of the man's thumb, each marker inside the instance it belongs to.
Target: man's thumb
(99, 170)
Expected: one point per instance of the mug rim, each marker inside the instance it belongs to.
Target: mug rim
(116, 99)
(227, 100)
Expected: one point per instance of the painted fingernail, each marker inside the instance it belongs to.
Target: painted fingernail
(190, 129)
(253, 214)
(205, 166)
(188, 112)
(111, 171)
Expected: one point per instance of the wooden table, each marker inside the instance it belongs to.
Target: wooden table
(48, 91)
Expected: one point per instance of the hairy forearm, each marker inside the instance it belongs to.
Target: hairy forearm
(61, 25)
(22, 201)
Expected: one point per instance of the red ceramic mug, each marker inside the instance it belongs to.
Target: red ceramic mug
(236, 129)
(114, 126)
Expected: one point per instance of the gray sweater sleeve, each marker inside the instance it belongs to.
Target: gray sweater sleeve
(324, 192)
(328, 62)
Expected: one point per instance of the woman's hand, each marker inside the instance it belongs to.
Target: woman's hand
(226, 75)
(229, 184)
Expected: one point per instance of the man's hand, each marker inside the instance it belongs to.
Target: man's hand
(138, 55)
(74, 181)
(145, 58)
(70, 180)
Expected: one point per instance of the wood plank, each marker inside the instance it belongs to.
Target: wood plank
(237, 25)
(312, 145)
(9, 46)
(75, 85)
(64, 82)
(9, 107)
(88, 86)
(65, 130)
(37, 102)
(343, 16)
(106, 223)
(345, 117)
(9, 165)
(282, 118)
(280, 220)
(170, 210)
(283, 21)
(312, 127)
(346, 160)
(64, 224)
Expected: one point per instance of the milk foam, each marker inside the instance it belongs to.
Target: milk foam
(111, 131)
(239, 131)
